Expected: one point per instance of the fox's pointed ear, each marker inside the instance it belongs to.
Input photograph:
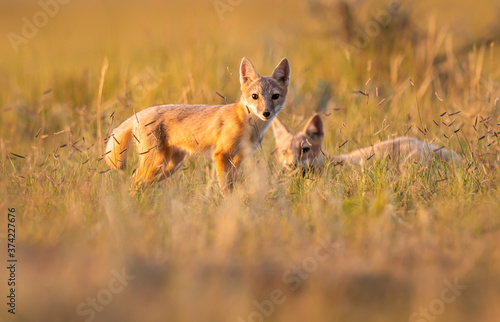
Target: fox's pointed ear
(279, 129)
(282, 72)
(314, 128)
(247, 71)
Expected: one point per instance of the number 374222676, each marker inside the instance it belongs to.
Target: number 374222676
(11, 233)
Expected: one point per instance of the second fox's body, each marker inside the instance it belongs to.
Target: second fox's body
(303, 149)
(167, 135)
(400, 149)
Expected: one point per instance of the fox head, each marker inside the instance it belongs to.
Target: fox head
(264, 96)
(302, 149)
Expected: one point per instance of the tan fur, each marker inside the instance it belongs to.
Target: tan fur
(305, 148)
(167, 135)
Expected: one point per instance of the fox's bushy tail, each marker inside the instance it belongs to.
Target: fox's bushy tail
(118, 143)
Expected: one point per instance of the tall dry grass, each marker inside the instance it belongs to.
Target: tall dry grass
(397, 232)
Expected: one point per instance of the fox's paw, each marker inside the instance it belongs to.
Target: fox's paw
(132, 191)
(136, 186)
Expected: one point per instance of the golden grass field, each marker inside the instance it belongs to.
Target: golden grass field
(383, 243)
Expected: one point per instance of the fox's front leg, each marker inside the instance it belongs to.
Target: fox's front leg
(227, 169)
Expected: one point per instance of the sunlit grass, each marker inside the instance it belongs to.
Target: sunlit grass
(399, 229)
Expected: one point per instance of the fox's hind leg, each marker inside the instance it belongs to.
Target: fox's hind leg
(150, 164)
(175, 160)
(157, 166)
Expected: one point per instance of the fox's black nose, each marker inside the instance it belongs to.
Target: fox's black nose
(266, 114)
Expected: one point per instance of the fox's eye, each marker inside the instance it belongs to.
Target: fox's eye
(276, 96)
(306, 149)
(255, 96)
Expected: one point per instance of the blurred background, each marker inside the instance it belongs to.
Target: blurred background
(185, 51)
(72, 70)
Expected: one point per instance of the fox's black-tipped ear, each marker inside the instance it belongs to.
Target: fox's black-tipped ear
(247, 71)
(314, 128)
(282, 72)
(279, 129)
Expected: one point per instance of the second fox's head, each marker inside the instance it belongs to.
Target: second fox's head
(302, 149)
(264, 96)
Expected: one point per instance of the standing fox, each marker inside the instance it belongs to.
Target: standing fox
(304, 149)
(167, 135)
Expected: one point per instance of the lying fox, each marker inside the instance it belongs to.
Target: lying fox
(167, 135)
(304, 149)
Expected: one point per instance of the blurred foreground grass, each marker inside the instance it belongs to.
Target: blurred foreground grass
(396, 233)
